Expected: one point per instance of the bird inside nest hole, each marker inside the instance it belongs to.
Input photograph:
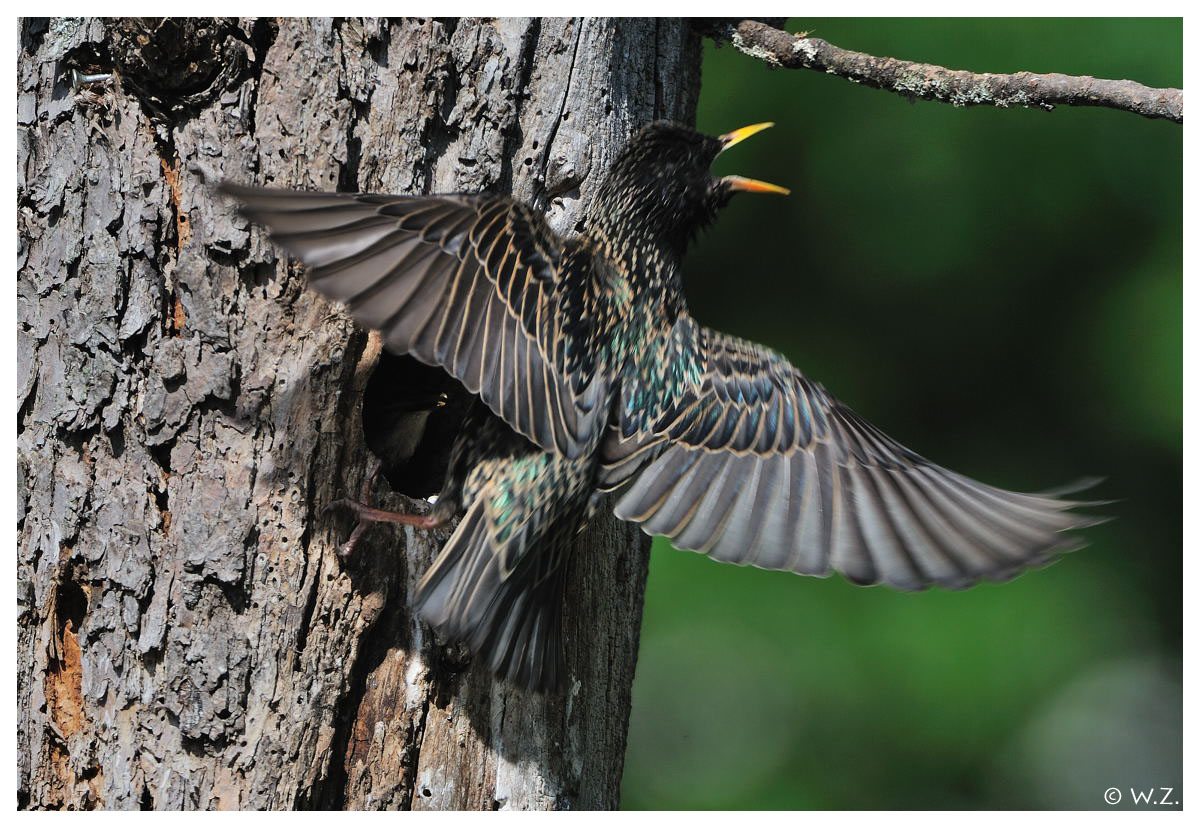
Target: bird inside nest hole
(411, 414)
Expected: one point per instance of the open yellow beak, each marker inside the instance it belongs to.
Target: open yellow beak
(748, 185)
(738, 135)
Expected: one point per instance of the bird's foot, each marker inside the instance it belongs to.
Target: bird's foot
(368, 515)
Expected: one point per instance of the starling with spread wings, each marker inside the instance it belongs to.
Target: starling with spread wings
(590, 376)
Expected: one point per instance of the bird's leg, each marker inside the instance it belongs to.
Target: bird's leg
(368, 515)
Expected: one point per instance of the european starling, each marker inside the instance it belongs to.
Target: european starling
(590, 376)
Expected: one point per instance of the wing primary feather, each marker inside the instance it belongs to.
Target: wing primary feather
(720, 522)
(777, 542)
(697, 531)
(653, 486)
(477, 345)
(316, 221)
(683, 505)
(329, 248)
(677, 507)
(732, 542)
(764, 493)
(849, 553)
(893, 564)
(997, 544)
(520, 413)
(930, 558)
(931, 508)
(811, 521)
(1048, 512)
(1021, 534)
(458, 317)
(704, 491)
(826, 469)
(387, 298)
(468, 333)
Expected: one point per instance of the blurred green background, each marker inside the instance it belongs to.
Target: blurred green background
(1000, 290)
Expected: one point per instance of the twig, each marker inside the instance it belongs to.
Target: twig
(936, 83)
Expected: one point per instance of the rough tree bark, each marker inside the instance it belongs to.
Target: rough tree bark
(187, 637)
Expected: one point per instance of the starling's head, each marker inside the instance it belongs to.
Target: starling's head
(661, 181)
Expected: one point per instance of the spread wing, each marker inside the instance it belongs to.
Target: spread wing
(756, 464)
(468, 283)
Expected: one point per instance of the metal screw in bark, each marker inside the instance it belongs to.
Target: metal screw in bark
(79, 79)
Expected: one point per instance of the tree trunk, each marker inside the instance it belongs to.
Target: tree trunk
(187, 636)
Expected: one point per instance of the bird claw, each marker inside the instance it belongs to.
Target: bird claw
(347, 549)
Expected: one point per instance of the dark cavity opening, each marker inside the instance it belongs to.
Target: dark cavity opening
(411, 414)
(70, 606)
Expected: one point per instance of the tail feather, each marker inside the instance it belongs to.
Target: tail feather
(511, 620)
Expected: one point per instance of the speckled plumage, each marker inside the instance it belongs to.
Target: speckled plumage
(591, 375)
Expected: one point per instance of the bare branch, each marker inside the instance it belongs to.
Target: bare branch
(936, 83)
